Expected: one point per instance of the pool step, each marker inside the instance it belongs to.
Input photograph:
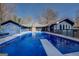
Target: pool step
(3, 54)
(72, 54)
(49, 48)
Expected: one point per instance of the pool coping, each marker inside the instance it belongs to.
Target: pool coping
(72, 54)
(3, 40)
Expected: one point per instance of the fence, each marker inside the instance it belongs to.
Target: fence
(68, 32)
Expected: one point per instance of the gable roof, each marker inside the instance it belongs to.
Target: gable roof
(68, 21)
(10, 21)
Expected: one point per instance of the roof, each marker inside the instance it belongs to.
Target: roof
(24, 24)
(10, 21)
(69, 21)
(66, 20)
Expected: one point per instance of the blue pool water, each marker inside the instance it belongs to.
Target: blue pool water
(26, 45)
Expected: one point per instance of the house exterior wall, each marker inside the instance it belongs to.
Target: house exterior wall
(11, 28)
(63, 28)
(63, 25)
(38, 29)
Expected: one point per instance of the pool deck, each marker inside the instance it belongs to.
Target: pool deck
(48, 47)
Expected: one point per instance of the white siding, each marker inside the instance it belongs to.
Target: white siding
(11, 28)
(63, 23)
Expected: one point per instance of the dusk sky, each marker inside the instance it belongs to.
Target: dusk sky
(34, 10)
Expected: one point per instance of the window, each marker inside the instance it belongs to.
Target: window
(60, 27)
(69, 27)
(63, 27)
(66, 26)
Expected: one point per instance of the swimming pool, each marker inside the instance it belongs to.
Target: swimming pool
(27, 45)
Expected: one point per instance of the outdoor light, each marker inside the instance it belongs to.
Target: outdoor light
(57, 22)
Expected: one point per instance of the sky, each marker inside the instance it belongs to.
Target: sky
(34, 10)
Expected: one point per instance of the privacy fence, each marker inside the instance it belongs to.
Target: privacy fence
(67, 32)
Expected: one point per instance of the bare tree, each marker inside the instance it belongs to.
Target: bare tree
(41, 20)
(1, 15)
(11, 10)
(77, 19)
(7, 11)
(50, 15)
(29, 19)
(1, 11)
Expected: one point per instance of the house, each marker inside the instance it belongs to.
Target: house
(44, 28)
(62, 26)
(12, 27)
